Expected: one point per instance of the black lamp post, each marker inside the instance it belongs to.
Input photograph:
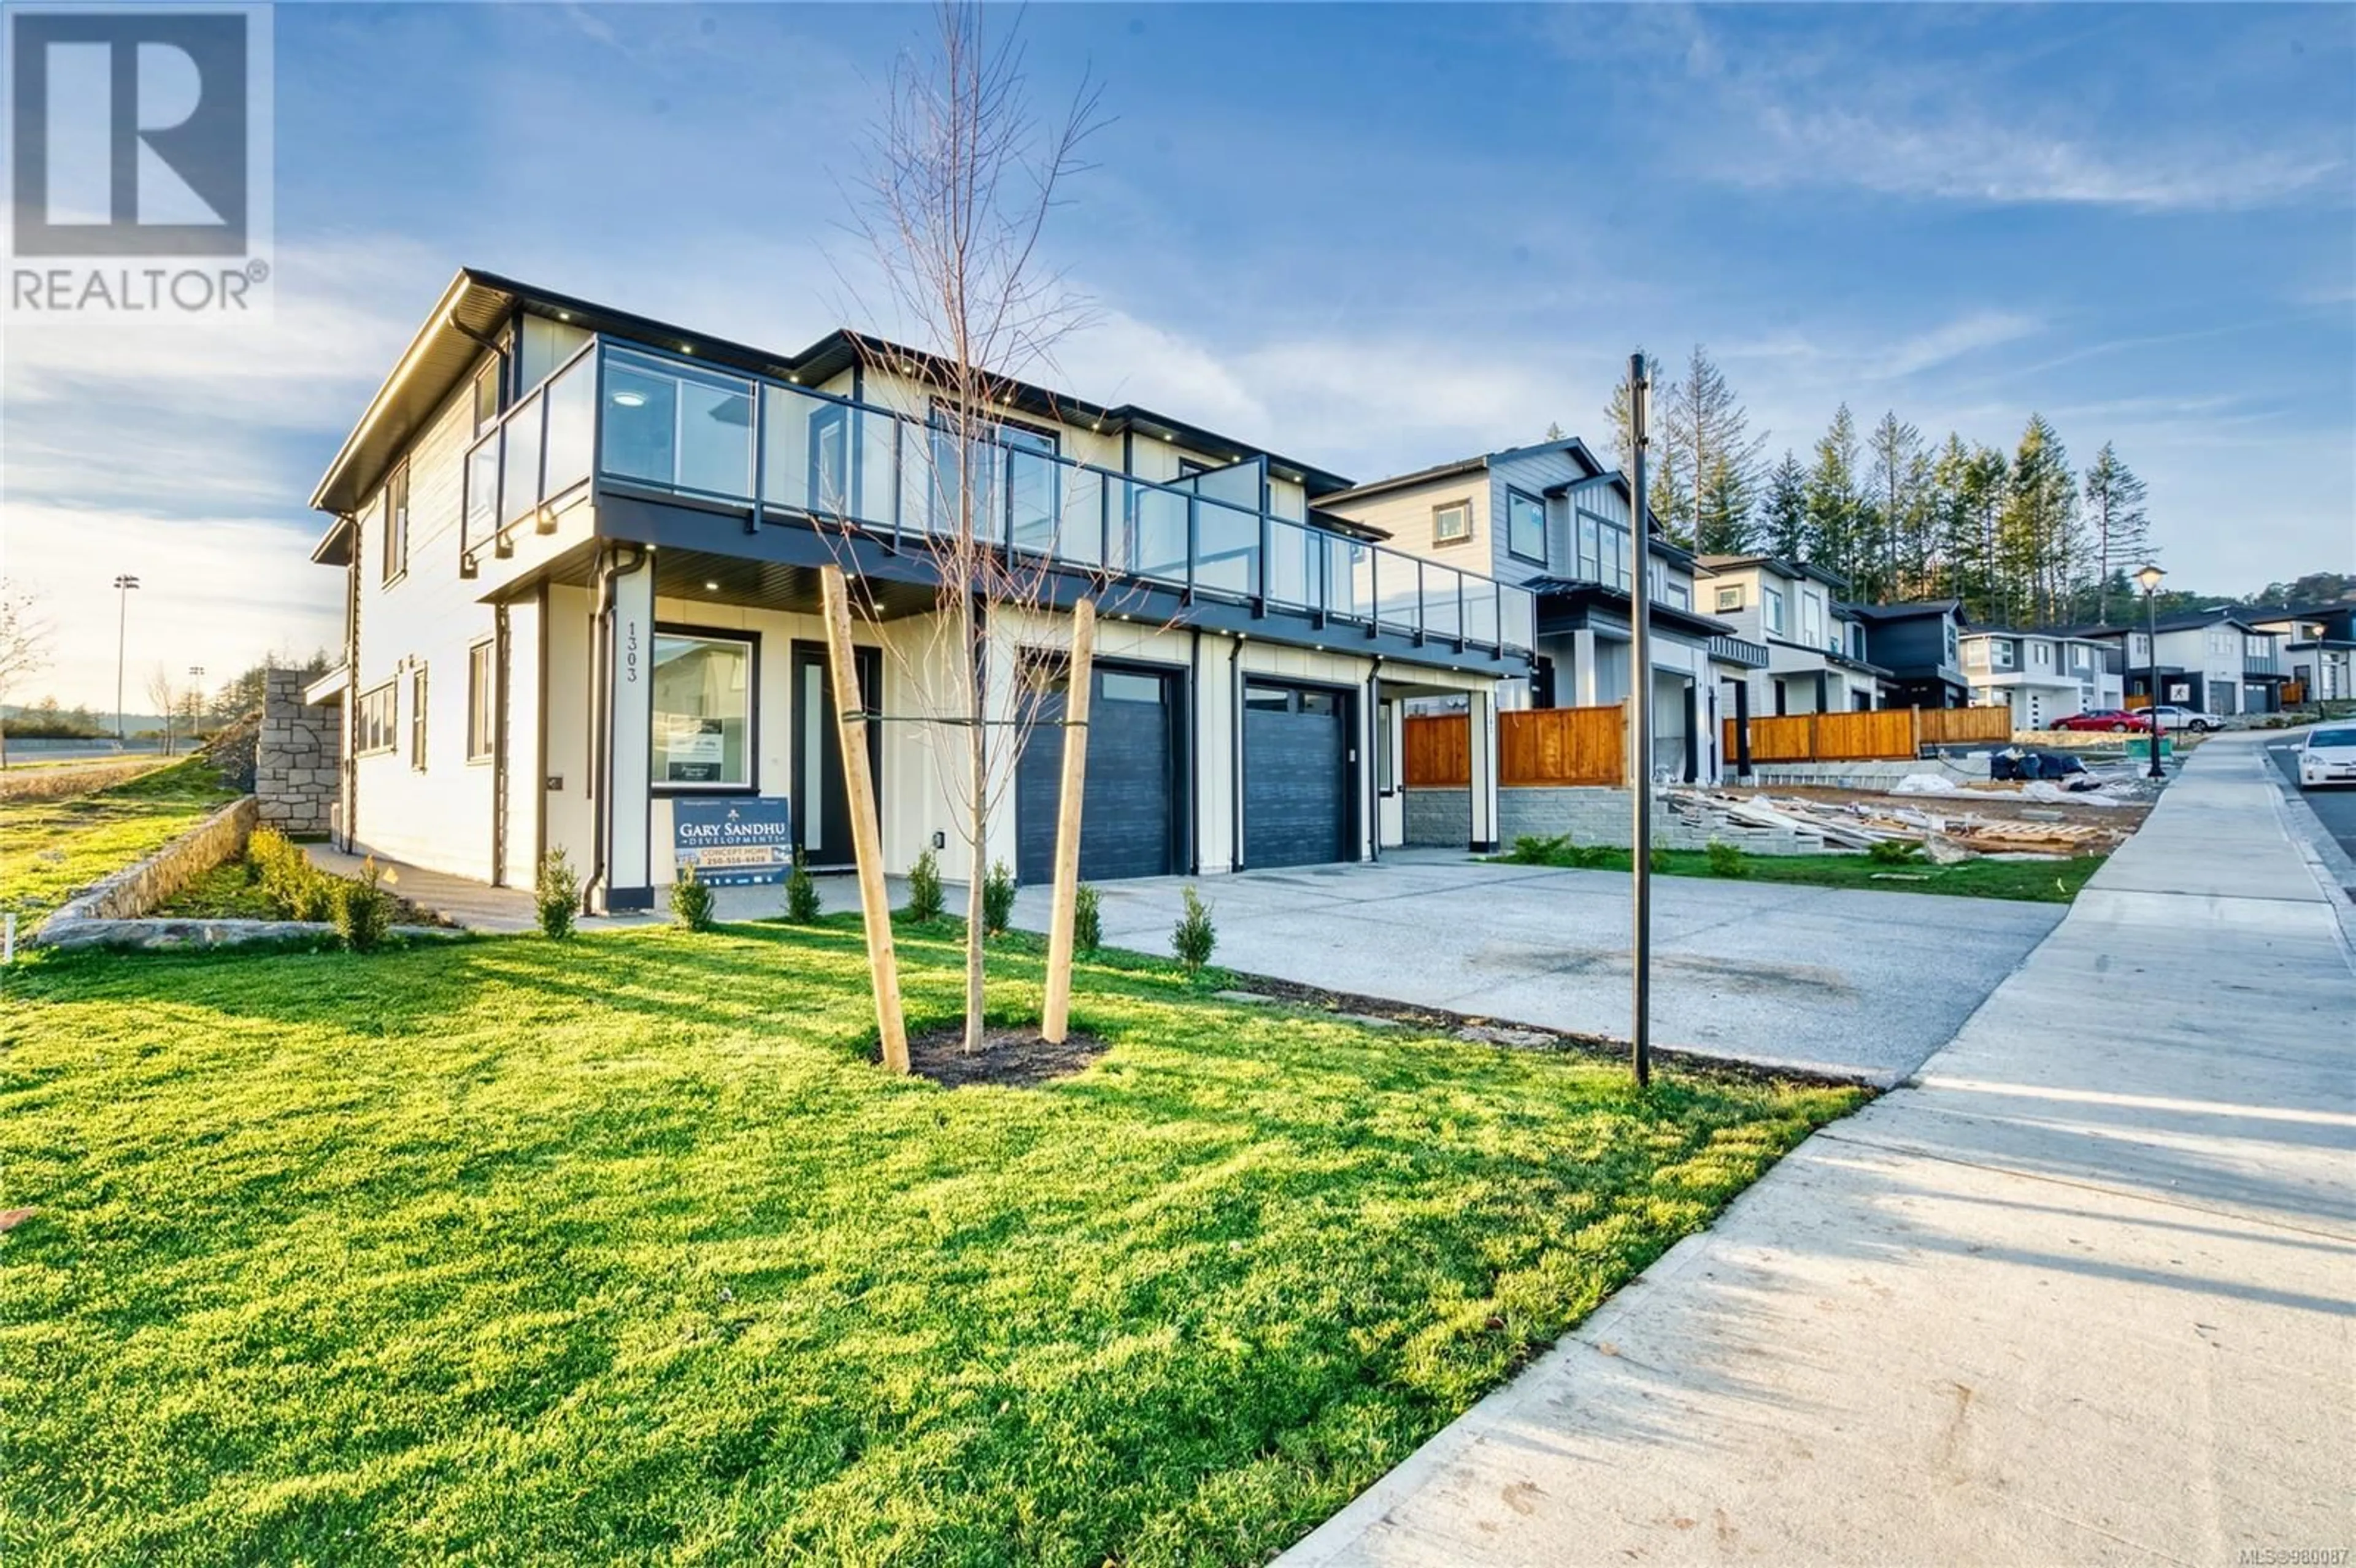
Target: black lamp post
(2147, 579)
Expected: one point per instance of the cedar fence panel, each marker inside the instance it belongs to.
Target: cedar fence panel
(1957, 726)
(1438, 752)
(1882, 734)
(1563, 746)
(1785, 740)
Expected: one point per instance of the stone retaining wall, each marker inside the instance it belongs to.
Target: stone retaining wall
(134, 890)
(160, 935)
(1589, 815)
(1439, 818)
(1961, 768)
(297, 759)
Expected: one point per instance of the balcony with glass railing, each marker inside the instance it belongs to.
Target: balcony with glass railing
(664, 426)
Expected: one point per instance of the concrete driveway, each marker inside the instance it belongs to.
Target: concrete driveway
(1864, 983)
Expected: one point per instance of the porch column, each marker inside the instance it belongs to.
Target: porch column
(1693, 732)
(1482, 745)
(1742, 727)
(1582, 654)
(629, 724)
(1823, 692)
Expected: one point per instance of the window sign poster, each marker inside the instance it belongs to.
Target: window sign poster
(695, 752)
(742, 842)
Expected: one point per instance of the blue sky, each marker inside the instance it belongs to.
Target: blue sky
(1371, 238)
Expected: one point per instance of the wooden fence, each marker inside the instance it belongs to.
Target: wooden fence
(1542, 746)
(1438, 752)
(1563, 746)
(1885, 735)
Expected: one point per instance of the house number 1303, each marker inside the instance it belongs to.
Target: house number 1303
(630, 653)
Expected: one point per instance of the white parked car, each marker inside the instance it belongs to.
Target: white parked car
(2329, 756)
(2174, 718)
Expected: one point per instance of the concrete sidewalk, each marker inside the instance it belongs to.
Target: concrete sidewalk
(2087, 1291)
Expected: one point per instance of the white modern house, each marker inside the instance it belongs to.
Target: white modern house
(2223, 660)
(2043, 677)
(1816, 648)
(2318, 648)
(580, 552)
(1554, 520)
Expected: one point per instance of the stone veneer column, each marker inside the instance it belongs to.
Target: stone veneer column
(297, 757)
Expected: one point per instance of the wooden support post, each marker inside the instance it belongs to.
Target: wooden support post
(866, 830)
(1055, 1017)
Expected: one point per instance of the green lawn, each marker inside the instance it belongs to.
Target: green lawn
(2034, 882)
(50, 848)
(508, 1250)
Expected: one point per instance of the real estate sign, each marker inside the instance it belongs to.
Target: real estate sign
(739, 842)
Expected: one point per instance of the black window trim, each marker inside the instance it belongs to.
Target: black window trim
(661, 789)
(1514, 492)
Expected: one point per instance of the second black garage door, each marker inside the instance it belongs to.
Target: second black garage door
(1296, 775)
(1128, 811)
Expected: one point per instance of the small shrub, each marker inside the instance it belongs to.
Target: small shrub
(362, 910)
(925, 887)
(802, 903)
(1894, 852)
(1192, 939)
(1087, 919)
(997, 900)
(1532, 850)
(1659, 860)
(690, 901)
(556, 894)
(1725, 859)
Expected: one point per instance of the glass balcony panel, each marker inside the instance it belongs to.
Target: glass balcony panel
(1154, 534)
(572, 401)
(982, 471)
(1397, 585)
(1033, 483)
(1442, 616)
(1080, 533)
(877, 481)
(1480, 611)
(678, 426)
(1293, 558)
(1349, 578)
(1518, 607)
(641, 435)
(520, 474)
(481, 492)
(716, 437)
(1227, 558)
(793, 427)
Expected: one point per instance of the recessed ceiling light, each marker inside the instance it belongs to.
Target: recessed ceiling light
(564, 315)
(687, 348)
(711, 585)
(630, 400)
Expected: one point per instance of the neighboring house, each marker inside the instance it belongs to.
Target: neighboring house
(1920, 645)
(2043, 677)
(1816, 646)
(2219, 660)
(2318, 648)
(581, 555)
(1552, 518)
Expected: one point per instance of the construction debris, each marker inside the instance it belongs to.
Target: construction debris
(1947, 832)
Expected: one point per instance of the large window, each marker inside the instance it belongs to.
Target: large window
(1811, 620)
(372, 721)
(703, 712)
(1771, 601)
(1526, 526)
(482, 704)
(1603, 546)
(396, 523)
(1452, 523)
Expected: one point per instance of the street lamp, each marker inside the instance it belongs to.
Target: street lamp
(2147, 579)
(124, 583)
(1640, 732)
(195, 701)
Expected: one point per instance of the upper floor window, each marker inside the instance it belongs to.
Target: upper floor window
(486, 396)
(1526, 526)
(2040, 653)
(1729, 597)
(2003, 653)
(396, 523)
(2258, 647)
(482, 712)
(1451, 522)
(1950, 626)
(1811, 620)
(1679, 594)
(1771, 600)
(1977, 654)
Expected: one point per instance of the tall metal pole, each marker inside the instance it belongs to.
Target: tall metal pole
(1640, 737)
(2151, 647)
(124, 583)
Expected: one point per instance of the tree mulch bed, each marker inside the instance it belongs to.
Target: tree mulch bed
(1012, 1056)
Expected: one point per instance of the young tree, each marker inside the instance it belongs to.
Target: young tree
(1784, 523)
(1833, 504)
(960, 184)
(2120, 528)
(165, 696)
(25, 638)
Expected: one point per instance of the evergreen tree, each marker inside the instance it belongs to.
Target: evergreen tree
(1784, 523)
(1892, 554)
(1715, 456)
(2036, 527)
(1724, 526)
(2120, 530)
(1833, 501)
(1554, 430)
(1661, 470)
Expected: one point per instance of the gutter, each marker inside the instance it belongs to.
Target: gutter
(601, 698)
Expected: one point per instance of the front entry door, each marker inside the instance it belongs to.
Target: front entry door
(821, 806)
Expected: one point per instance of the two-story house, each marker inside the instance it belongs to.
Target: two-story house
(1554, 520)
(1816, 646)
(2044, 677)
(1920, 644)
(582, 553)
(2219, 659)
(2319, 649)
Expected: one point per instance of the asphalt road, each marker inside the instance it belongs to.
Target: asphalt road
(2336, 805)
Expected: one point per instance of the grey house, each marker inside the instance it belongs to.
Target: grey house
(1920, 644)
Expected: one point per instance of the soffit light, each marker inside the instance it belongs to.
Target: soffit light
(630, 400)
(711, 585)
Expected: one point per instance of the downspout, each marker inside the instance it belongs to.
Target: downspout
(1194, 746)
(1235, 759)
(610, 565)
(1374, 769)
(348, 762)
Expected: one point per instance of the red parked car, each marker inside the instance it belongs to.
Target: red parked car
(2117, 721)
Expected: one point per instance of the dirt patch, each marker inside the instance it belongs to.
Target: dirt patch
(1013, 1057)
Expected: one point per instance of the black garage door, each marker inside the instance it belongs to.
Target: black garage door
(1296, 775)
(1129, 816)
